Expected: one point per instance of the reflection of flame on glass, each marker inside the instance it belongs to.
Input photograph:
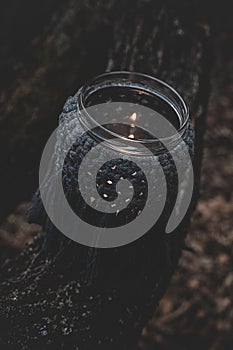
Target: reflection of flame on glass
(131, 136)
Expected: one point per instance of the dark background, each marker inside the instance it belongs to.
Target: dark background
(47, 50)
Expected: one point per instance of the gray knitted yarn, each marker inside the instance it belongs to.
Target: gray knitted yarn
(70, 127)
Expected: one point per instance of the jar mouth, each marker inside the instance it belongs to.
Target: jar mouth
(156, 91)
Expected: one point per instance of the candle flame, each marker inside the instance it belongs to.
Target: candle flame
(133, 117)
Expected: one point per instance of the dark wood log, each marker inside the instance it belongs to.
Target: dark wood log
(42, 303)
(47, 51)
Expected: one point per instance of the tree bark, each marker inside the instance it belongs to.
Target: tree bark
(48, 50)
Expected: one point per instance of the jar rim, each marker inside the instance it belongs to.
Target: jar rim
(182, 111)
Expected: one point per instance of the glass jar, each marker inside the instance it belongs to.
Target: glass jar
(124, 157)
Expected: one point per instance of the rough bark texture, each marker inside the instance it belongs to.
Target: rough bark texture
(43, 305)
(47, 51)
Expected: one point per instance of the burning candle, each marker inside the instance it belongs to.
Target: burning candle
(130, 129)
